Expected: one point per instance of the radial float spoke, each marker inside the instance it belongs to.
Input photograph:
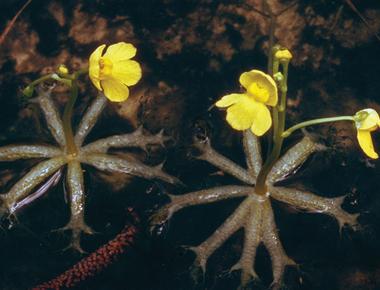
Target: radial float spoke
(75, 186)
(40, 191)
(135, 139)
(179, 202)
(111, 163)
(273, 244)
(52, 117)
(31, 180)
(253, 232)
(89, 119)
(252, 152)
(314, 203)
(210, 155)
(292, 159)
(233, 223)
(15, 152)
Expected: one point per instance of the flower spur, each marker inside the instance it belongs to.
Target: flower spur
(254, 214)
(55, 157)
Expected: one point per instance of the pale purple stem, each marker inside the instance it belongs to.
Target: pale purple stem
(51, 182)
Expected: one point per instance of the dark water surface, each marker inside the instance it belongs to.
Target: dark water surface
(188, 64)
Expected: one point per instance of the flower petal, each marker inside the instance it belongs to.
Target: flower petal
(93, 69)
(241, 114)
(229, 100)
(120, 51)
(371, 121)
(365, 142)
(114, 90)
(127, 71)
(263, 80)
(262, 120)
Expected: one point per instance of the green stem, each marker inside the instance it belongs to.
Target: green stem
(65, 79)
(66, 119)
(28, 91)
(68, 112)
(52, 76)
(280, 111)
(261, 187)
(284, 88)
(315, 122)
(41, 79)
(275, 121)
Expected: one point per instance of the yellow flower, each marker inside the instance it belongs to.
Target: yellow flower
(366, 121)
(113, 71)
(249, 110)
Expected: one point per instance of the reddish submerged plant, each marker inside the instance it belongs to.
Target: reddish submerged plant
(98, 260)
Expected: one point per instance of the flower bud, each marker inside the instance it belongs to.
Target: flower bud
(62, 69)
(283, 55)
(28, 91)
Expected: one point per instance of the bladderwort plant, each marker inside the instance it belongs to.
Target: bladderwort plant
(260, 107)
(111, 72)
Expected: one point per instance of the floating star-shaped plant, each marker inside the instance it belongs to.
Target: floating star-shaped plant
(255, 213)
(260, 106)
(72, 154)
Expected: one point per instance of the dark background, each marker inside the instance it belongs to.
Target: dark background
(192, 53)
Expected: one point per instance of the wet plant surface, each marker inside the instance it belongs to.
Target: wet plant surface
(192, 52)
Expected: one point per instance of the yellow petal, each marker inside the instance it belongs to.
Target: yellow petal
(365, 142)
(247, 78)
(127, 71)
(120, 51)
(264, 81)
(114, 90)
(229, 100)
(258, 93)
(241, 114)
(262, 120)
(93, 69)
